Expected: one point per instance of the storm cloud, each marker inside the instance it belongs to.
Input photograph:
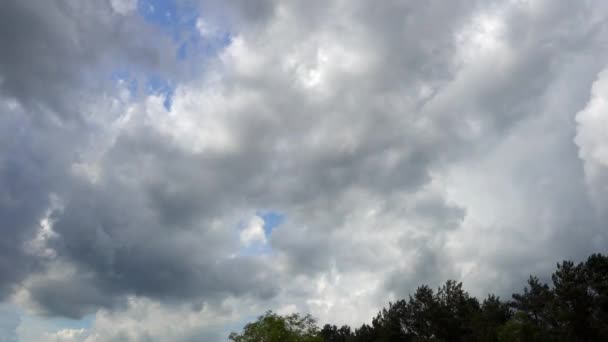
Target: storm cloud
(401, 142)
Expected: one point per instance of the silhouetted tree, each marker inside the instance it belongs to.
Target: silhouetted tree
(535, 307)
(574, 308)
(389, 324)
(489, 320)
(366, 333)
(453, 320)
(332, 333)
(596, 268)
(573, 302)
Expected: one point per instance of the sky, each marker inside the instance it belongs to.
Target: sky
(170, 169)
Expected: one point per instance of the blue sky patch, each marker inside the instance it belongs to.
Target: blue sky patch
(156, 85)
(272, 220)
(175, 20)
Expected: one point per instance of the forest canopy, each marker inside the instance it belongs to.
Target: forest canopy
(573, 307)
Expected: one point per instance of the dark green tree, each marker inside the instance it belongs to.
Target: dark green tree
(489, 320)
(420, 314)
(537, 305)
(332, 333)
(573, 302)
(454, 313)
(366, 333)
(596, 268)
(519, 329)
(390, 325)
(574, 308)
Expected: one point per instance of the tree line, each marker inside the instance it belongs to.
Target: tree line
(574, 307)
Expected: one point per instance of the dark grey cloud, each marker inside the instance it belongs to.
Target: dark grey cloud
(151, 234)
(400, 152)
(26, 180)
(56, 52)
(56, 56)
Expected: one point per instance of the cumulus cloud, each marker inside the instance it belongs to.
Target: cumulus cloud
(57, 53)
(144, 319)
(50, 70)
(592, 141)
(253, 231)
(400, 151)
(124, 6)
(66, 335)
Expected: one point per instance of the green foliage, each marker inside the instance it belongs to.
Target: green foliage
(535, 308)
(488, 321)
(446, 315)
(271, 327)
(334, 334)
(519, 329)
(574, 308)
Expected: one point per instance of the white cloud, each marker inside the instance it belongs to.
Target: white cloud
(206, 29)
(253, 231)
(400, 151)
(144, 319)
(124, 7)
(592, 140)
(67, 335)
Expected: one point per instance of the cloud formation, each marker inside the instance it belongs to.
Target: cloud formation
(403, 143)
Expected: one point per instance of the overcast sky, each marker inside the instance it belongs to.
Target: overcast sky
(171, 169)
